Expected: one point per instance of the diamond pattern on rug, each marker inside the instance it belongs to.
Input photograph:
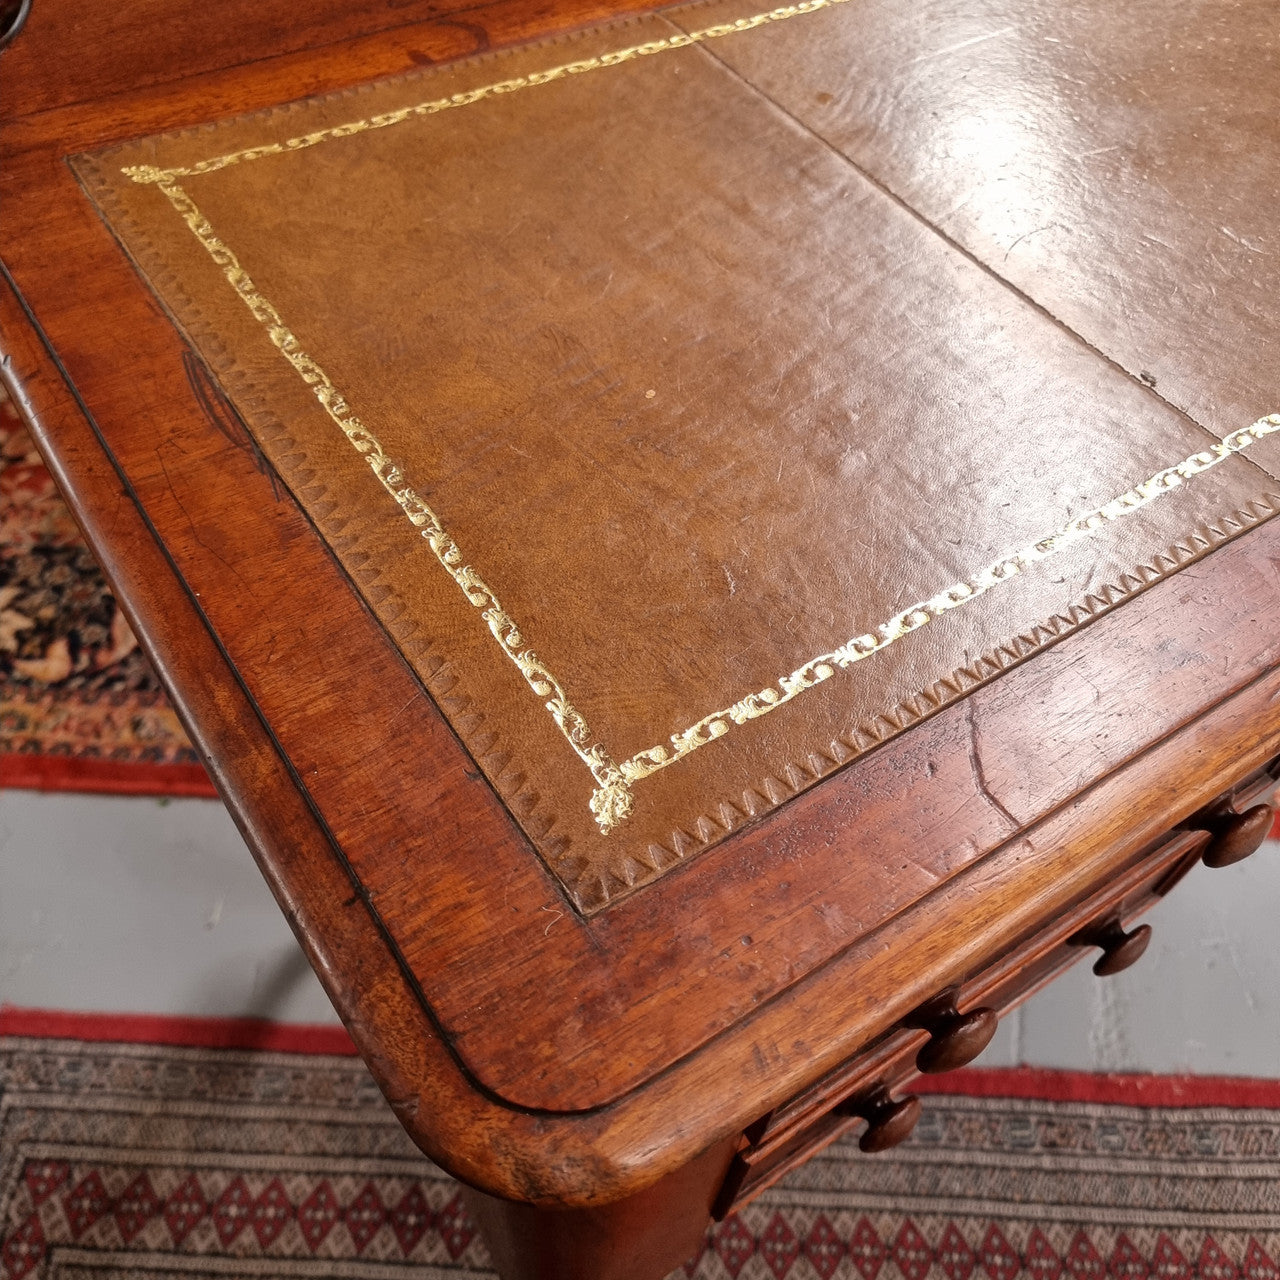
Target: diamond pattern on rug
(120, 1160)
(136, 1207)
(184, 1209)
(272, 1212)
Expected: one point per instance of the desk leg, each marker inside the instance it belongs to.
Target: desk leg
(644, 1237)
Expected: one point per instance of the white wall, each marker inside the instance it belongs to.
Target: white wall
(118, 904)
(131, 905)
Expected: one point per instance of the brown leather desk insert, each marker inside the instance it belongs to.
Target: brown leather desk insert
(685, 543)
(681, 462)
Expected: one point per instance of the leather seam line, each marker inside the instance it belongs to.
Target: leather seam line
(885, 189)
(696, 38)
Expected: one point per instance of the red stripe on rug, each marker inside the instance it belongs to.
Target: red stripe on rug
(149, 1028)
(1040, 1083)
(69, 773)
(1125, 1089)
(978, 1082)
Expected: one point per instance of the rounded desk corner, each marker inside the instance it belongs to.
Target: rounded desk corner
(548, 1161)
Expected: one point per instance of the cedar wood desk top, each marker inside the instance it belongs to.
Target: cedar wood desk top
(564, 1027)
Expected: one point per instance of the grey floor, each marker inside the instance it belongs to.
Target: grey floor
(131, 905)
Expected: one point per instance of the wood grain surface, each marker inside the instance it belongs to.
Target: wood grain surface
(536, 1053)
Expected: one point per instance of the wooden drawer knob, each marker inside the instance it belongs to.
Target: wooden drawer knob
(891, 1125)
(958, 1042)
(889, 1120)
(955, 1038)
(1236, 836)
(1119, 949)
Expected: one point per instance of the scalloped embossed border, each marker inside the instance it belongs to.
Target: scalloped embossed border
(594, 891)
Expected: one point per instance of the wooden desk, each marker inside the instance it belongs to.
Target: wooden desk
(613, 994)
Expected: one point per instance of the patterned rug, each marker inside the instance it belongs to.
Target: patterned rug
(165, 1162)
(80, 708)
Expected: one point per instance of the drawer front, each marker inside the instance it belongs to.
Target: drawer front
(866, 1084)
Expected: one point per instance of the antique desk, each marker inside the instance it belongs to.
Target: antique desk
(709, 554)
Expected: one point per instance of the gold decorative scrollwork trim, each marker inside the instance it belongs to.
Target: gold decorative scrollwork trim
(824, 666)
(614, 58)
(611, 802)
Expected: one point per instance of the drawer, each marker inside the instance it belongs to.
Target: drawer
(839, 1102)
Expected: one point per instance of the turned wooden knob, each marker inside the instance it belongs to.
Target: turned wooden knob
(955, 1038)
(1236, 836)
(889, 1120)
(1119, 949)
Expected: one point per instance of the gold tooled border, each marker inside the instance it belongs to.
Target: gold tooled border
(611, 801)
